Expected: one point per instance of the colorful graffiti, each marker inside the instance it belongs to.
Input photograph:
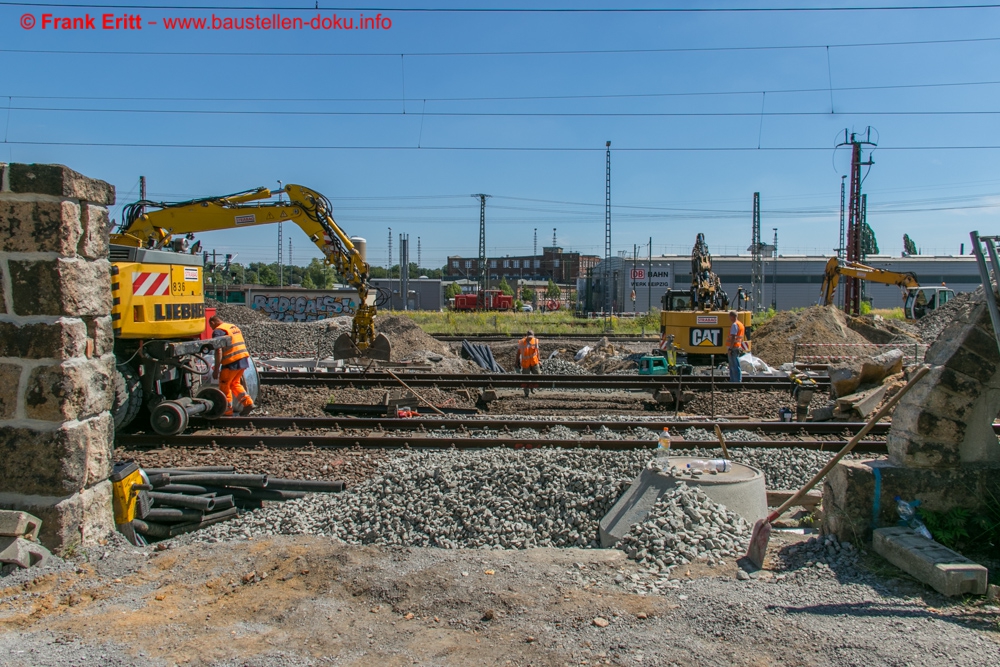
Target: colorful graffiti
(304, 308)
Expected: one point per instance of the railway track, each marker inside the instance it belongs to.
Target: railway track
(426, 433)
(649, 383)
(499, 337)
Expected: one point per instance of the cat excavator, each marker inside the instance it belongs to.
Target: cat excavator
(158, 311)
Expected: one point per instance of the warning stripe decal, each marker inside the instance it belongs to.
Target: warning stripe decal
(149, 284)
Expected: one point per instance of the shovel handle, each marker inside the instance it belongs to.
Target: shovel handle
(924, 370)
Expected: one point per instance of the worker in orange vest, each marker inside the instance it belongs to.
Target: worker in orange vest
(527, 358)
(735, 346)
(230, 364)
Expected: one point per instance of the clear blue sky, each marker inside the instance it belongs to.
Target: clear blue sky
(936, 196)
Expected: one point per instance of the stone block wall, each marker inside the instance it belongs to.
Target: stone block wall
(56, 361)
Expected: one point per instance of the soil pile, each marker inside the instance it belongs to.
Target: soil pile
(775, 340)
(407, 338)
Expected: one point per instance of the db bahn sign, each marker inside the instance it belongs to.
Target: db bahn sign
(638, 274)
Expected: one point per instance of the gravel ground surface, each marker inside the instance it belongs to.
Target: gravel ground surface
(296, 601)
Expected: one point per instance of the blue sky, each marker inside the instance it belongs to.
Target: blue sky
(297, 91)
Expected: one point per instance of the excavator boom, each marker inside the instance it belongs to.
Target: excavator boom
(835, 268)
(171, 225)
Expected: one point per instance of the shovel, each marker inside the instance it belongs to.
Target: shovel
(762, 529)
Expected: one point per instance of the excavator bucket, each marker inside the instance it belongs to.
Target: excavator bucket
(344, 348)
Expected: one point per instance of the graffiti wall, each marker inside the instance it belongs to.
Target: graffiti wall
(296, 306)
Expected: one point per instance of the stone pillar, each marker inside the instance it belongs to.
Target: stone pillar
(56, 351)
(942, 447)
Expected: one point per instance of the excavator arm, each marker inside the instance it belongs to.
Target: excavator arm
(172, 225)
(835, 269)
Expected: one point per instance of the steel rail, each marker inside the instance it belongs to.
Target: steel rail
(512, 381)
(500, 424)
(499, 337)
(428, 441)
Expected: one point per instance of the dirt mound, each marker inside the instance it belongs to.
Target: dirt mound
(407, 337)
(878, 329)
(775, 340)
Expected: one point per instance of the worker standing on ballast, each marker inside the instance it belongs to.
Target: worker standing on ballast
(735, 346)
(527, 358)
(230, 364)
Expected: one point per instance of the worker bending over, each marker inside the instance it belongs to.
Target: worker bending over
(735, 347)
(230, 364)
(527, 357)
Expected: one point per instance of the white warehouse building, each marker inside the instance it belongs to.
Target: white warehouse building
(791, 281)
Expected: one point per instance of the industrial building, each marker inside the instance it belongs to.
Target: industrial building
(791, 281)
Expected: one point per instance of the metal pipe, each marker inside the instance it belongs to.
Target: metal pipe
(223, 503)
(190, 489)
(180, 500)
(255, 481)
(173, 515)
(155, 530)
(170, 471)
(310, 485)
(209, 519)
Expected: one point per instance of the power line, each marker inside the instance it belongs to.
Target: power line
(515, 114)
(529, 10)
(776, 91)
(445, 54)
(514, 149)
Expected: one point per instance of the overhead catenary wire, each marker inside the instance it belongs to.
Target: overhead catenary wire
(539, 52)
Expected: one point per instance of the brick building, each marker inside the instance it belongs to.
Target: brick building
(554, 263)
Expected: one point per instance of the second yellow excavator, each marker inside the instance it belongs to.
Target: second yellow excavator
(917, 300)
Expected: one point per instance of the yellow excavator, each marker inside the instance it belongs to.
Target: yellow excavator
(918, 300)
(158, 303)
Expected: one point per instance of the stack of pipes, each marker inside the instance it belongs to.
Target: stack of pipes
(174, 501)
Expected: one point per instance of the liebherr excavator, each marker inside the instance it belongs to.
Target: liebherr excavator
(158, 311)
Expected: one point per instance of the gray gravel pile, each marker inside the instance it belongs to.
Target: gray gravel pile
(931, 326)
(561, 367)
(500, 499)
(820, 553)
(683, 525)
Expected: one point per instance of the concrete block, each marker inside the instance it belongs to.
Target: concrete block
(881, 366)
(96, 228)
(63, 339)
(844, 379)
(822, 414)
(664, 397)
(19, 524)
(851, 510)
(76, 389)
(40, 226)
(57, 462)
(489, 395)
(21, 552)
(10, 378)
(934, 564)
(863, 403)
(59, 181)
(72, 287)
(79, 518)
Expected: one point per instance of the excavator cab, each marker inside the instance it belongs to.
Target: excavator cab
(921, 301)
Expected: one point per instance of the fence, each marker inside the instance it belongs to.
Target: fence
(831, 353)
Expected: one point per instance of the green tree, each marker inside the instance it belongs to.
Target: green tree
(307, 282)
(452, 290)
(553, 291)
(505, 287)
(528, 294)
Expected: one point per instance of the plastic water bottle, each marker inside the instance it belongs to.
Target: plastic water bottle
(718, 465)
(908, 517)
(663, 448)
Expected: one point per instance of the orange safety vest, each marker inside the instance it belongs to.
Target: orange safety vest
(738, 341)
(527, 349)
(237, 348)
